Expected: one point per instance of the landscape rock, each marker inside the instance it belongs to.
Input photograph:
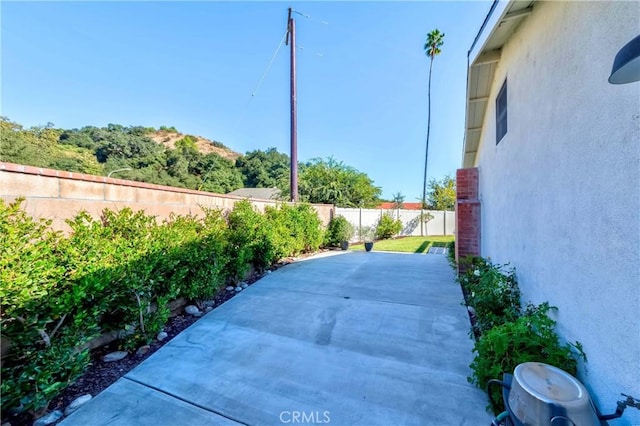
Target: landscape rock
(161, 336)
(208, 303)
(208, 309)
(230, 288)
(143, 350)
(114, 356)
(471, 310)
(77, 403)
(52, 417)
(238, 288)
(244, 285)
(192, 310)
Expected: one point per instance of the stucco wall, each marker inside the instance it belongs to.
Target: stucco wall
(560, 193)
(58, 195)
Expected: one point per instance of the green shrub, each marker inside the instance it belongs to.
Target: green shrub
(295, 229)
(338, 230)
(42, 359)
(310, 227)
(28, 262)
(250, 240)
(530, 338)
(492, 291)
(194, 266)
(387, 227)
(119, 272)
(110, 271)
(367, 234)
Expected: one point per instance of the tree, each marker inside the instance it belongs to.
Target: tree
(217, 173)
(264, 169)
(332, 182)
(398, 200)
(21, 146)
(435, 40)
(442, 193)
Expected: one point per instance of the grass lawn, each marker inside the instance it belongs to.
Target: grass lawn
(408, 244)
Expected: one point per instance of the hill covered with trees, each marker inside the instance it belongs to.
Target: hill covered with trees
(165, 156)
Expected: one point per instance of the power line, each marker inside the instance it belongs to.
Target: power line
(268, 67)
(304, 15)
(257, 87)
(264, 74)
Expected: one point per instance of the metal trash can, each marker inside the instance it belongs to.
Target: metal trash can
(542, 394)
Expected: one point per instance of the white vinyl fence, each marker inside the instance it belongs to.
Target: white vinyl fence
(442, 223)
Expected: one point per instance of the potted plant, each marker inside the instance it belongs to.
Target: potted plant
(367, 235)
(339, 232)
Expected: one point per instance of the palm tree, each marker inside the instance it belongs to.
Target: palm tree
(435, 39)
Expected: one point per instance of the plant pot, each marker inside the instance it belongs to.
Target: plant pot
(368, 246)
(344, 245)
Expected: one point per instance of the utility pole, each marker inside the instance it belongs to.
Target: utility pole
(291, 39)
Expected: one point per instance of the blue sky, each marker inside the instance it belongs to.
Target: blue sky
(362, 76)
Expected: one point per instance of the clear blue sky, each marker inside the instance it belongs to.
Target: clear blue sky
(362, 78)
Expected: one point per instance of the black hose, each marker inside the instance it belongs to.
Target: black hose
(496, 382)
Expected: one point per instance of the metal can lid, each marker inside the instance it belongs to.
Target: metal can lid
(550, 384)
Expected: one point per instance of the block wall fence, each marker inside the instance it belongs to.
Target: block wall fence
(59, 195)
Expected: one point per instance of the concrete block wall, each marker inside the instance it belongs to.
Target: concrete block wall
(59, 195)
(467, 213)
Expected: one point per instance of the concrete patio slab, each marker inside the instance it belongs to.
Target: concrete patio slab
(128, 403)
(357, 338)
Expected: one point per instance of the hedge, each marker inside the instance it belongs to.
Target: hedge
(118, 272)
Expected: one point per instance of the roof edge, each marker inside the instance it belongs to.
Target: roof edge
(498, 10)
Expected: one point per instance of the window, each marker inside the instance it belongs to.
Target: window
(501, 113)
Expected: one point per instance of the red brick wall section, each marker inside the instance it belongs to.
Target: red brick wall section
(59, 195)
(467, 214)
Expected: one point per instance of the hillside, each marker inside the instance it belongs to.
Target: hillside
(169, 137)
(162, 156)
(165, 156)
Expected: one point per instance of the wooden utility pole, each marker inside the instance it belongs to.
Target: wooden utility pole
(291, 40)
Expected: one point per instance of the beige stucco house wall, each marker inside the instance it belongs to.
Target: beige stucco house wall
(560, 193)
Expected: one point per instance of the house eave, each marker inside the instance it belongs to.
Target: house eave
(483, 57)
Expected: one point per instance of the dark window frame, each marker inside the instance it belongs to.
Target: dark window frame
(501, 113)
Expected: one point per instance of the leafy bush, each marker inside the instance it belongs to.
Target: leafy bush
(493, 293)
(507, 336)
(219, 144)
(309, 228)
(187, 143)
(250, 241)
(118, 272)
(367, 233)
(338, 230)
(296, 229)
(387, 227)
(42, 359)
(530, 338)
